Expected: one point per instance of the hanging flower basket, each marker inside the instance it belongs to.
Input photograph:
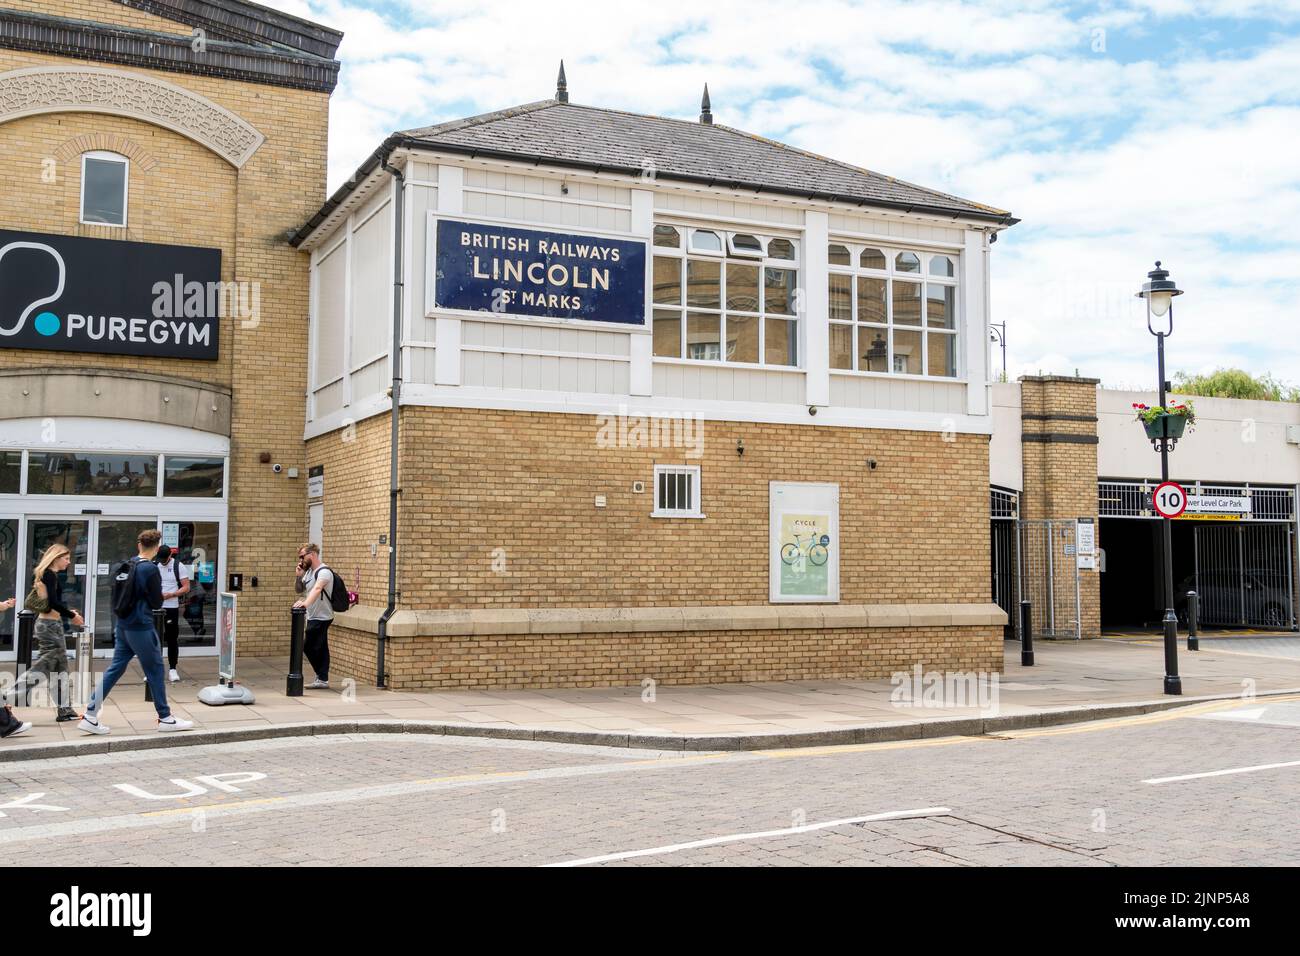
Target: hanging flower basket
(1168, 422)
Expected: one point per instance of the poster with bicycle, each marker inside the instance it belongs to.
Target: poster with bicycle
(804, 541)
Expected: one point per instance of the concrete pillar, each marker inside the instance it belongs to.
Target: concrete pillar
(1059, 444)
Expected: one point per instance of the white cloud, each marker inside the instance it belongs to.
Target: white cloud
(1112, 158)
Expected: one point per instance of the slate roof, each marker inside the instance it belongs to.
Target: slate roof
(557, 133)
(590, 136)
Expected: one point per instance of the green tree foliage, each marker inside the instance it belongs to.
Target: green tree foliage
(1236, 383)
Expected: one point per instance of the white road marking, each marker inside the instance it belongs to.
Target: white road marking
(29, 803)
(130, 821)
(1272, 714)
(1224, 773)
(1253, 714)
(761, 835)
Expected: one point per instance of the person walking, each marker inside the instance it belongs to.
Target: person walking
(175, 585)
(46, 600)
(317, 581)
(134, 636)
(11, 726)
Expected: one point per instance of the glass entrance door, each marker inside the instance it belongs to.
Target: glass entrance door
(114, 543)
(74, 534)
(99, 545)
(9, 584)
(198, 548)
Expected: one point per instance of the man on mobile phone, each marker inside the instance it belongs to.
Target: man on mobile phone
(317, 581)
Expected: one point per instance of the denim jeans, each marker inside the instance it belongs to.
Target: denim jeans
(51, 662)
(126, 645)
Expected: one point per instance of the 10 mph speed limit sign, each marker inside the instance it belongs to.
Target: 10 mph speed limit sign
(1169, 499)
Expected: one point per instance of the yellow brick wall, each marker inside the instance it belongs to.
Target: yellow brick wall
(193, 198)
(703, 657)
(99, 11)
(479, 486)
(356, 504)
(497, 509)
(1061, 476)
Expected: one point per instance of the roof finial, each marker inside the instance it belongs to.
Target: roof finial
(561, 86)
(706, 111)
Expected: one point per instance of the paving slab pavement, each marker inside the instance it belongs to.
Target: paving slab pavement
(1071, 681)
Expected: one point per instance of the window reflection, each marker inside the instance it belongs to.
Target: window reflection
(91, 473)
(667, 236)
(907, 262)
(872, 259)
(193, 477)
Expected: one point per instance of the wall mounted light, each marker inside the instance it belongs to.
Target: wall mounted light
(740, 446)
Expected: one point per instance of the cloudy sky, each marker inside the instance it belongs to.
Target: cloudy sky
(1119, 132)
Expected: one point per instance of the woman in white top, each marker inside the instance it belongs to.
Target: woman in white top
(175, 583)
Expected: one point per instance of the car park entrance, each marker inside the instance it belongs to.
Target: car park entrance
(1241, 564)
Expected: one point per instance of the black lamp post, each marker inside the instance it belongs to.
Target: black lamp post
(1159, 291)
(998, 335)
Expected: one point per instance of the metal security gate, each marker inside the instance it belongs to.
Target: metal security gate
(1002, 510)
(1049, 577)
(1244, 575)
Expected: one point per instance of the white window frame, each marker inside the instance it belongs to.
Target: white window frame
(160, 465)
(744, 252)
(890, 275)
(107, 157)
(693, 473)
(686, 252)
(692, 249)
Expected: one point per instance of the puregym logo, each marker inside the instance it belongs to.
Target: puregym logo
(47, 323)
(70, 293)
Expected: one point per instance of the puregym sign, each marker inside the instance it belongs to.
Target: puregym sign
(71, 294)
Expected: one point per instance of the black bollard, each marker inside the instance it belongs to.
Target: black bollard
(297, 635)
(1026, 634)
(159, 626)
(23, 648)
(1193, 611)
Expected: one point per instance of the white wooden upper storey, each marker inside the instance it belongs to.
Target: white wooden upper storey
(757, 307)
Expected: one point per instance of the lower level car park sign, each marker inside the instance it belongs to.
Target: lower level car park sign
(1169, 499)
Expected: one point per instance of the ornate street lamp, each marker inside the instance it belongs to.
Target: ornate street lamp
(998, 336)
(877, 353)
(1159, 291)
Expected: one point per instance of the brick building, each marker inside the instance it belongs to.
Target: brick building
(674, 402)
(155, 153)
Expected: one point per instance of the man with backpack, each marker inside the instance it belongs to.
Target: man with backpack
(321, 586)
(137, 593)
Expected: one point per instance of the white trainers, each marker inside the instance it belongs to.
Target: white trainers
(319, 684)
(21, 729)
(89, 726)
(173, 724)
(173, 676)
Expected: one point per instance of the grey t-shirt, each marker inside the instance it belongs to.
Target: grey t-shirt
(320, 609)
